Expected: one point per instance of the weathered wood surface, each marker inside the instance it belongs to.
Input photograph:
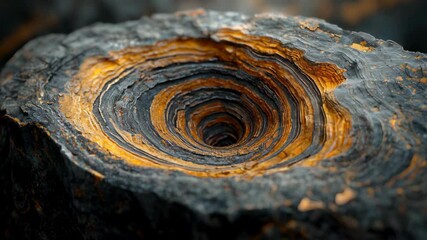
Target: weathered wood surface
(208, 125)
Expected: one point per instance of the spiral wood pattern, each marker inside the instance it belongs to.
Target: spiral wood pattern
(240, 105)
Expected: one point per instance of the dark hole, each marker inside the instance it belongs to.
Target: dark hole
(220, 135)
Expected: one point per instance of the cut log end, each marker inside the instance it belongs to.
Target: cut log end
(207, 123)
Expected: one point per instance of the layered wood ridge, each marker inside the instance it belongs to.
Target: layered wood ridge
(240, 105)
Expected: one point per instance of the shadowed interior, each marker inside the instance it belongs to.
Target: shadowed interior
(221, 129)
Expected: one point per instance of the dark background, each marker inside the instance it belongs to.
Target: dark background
(404, 21)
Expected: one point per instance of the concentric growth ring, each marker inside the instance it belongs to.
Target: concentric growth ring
(239, 104)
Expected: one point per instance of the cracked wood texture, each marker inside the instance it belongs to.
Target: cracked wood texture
(214, 125)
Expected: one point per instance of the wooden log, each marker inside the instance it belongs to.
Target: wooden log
(214, 125)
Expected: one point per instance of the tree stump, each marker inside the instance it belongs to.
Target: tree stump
(214, 125)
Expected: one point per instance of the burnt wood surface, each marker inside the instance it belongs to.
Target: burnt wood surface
(209, 125)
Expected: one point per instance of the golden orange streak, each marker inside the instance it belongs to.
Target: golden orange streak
(95, 73)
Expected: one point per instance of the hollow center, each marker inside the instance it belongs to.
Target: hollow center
(220, 135)
(221, 130)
